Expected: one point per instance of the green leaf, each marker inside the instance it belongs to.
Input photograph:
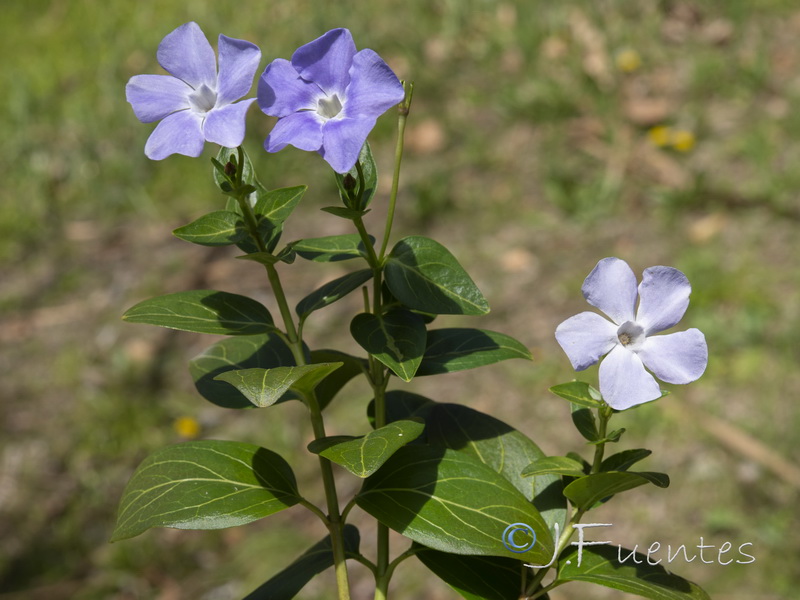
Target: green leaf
(557, 465)
(205, 484)
(450, 350)
(370, 171)
(263, 258)
(591, 489)
(423, 275)
(269, 234)
(332, 248)
(203, 311)
(580, 460)
(612, 437)
(450, 501)
(264, 387)
(364, 455)
(475, 577)
(402, 405)
(622, 461)
(601, 565)
(397, 339)
(502, 448)
(277, 205)
(272, 208)
(219, 228)
(579, 393)
(287, 255)
(344, 213)
(236, 353)
(585, 423)
(331, 385)
(288, 583)
(332, 291)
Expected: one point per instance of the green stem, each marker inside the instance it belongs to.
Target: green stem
(398, 158)
(372, 258)
(334, 522)
(347, 508)
(544, 590)
(363, 560)
(313, 508)
(604, 414)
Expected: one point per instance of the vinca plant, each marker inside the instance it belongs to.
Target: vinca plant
(480, 503)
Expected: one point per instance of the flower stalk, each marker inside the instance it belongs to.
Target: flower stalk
(334, 520)
(604, 414)
(402, 114)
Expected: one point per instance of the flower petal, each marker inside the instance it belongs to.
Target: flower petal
(225, 126)
(238, 61)
(342, 141)
(281, 90)
(623, 380)
(677, 357)
(153, 97)
(326, 61)
(664, 297)
(179, 133)
(374, 88)
(302, 130)
(186, 54)
(585, 338)
(611, 287)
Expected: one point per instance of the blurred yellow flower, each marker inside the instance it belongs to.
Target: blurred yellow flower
(628, 60)
(683, 140)
(660, 136)
(186, 427)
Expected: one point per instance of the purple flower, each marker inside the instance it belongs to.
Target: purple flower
(628, 339)
(327, 98)
(195, 103)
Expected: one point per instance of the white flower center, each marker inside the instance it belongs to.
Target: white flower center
(631, 335)
(203, 99)
(329, 107)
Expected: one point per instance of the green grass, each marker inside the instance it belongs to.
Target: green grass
(527, 146)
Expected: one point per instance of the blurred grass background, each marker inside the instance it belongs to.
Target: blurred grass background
(543, 137)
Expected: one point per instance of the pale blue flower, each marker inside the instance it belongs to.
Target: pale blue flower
(195, 103)
(627, 340)
(327, 98)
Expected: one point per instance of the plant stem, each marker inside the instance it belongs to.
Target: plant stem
(313, 508)
(398, 157)
(604, 414)
(334, 522)
(378, 381)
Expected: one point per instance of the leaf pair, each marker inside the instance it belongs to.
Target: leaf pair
(264, 387)
(500, 578)
(459, 488)
(270, 207)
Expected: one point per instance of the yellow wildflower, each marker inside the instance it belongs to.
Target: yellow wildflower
(683, 140)
(660, 136)
(628, 60)
(186, 427)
